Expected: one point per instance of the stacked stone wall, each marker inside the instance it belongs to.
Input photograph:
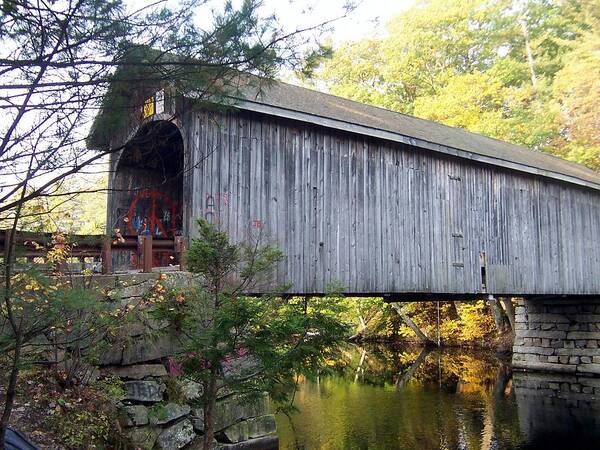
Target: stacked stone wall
(558, 335)
(160, 411)
(163, 413)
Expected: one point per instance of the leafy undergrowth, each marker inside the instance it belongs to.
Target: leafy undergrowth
(76, 418)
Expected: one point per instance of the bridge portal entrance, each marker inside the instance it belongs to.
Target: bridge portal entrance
(147, 190)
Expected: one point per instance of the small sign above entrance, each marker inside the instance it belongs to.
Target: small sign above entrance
(154, 105)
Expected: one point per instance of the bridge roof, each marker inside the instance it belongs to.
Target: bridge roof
(298, 103)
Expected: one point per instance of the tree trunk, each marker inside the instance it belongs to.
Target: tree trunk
(361, 321)
(406, 376)
(502, 379)
(510, 311)
(453, 313)
(408, 321)
(497, 314)
(11, 391)
(529, 53)
(359, 369)
(209, 409)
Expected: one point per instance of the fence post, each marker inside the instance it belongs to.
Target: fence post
(106, 256)
(146, 253)
(7, 247)
(180, 249)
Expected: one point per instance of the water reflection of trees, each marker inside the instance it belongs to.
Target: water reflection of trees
(453, 370)
(382, 398)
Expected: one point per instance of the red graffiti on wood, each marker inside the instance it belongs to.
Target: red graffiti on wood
(153, 213)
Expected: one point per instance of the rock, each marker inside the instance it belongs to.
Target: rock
(263, 443)
(192, 390)
(133, 415)
(589, 368)
(144, 348)
(197, 419)
(160, 415)
(536, 350)
(143, 391)
(235, 409)
(112, 356)
(137, 371)
(142, 437)
(249, 429)
(261, 426)
(542, 334)
(198, 444)
(239, 367)
(583, 335)
(176, 436)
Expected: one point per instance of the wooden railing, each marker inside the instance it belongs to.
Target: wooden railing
(32, 247)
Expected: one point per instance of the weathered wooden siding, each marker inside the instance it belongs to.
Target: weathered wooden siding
(380, 217)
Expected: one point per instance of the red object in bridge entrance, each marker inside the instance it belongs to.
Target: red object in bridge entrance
(153, 213)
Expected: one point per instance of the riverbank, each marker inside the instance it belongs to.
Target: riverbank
(501, 343)
(472, 324)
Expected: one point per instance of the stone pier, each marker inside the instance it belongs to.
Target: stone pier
(558, 335)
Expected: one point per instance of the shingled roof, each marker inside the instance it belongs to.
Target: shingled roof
(298, 103)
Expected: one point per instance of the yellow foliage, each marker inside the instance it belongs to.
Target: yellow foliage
(476, 322)
(460, 322)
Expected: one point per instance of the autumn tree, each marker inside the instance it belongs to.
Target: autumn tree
(521, 71)
(577, 90)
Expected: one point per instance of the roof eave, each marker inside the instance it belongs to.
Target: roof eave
(337, 124)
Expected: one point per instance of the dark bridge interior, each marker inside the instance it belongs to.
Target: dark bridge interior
(148, 183)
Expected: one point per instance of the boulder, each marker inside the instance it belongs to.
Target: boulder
(137, 371)
(263, 443)
(236, 409)
(249, 429)
(170, 412)
(112, 355)
(143, 391)
(198, 444)
(176, 436)
(240, 367)
(147, 348)
(133, 415)
(197, 419)
(143, 438)
(261, 426)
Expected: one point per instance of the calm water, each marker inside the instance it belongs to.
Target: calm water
(383, 398)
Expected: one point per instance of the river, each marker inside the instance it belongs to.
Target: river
(380, 398)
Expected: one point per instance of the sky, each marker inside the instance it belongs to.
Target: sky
(368, 19)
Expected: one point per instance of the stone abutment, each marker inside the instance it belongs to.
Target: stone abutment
(558, 335)
(161, 410)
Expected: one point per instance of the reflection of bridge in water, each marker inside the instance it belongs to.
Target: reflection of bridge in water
(552, 408)
(558, 409)
(457, 399)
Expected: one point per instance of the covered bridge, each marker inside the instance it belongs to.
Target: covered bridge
(377, 202)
